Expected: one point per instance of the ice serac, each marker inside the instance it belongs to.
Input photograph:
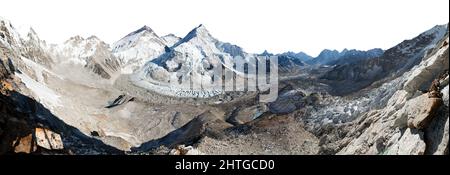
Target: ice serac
(139, 47)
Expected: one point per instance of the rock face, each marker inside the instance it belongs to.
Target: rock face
(288, 102)
(267, 135)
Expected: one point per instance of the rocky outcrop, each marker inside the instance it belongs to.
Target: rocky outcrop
(121, 99)
(48, 139)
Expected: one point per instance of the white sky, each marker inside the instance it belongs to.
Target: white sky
(255, 25)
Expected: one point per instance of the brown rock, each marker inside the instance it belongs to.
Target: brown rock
(24, 145)
(48, 139)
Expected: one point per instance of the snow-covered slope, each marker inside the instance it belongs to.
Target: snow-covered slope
(138, 47)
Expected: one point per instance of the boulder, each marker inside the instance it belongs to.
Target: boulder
(421, 110)
(48, 139)
(25, 144)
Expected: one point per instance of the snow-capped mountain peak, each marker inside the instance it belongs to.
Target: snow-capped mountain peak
(8, 34)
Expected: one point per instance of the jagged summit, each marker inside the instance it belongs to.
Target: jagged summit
(139, 47)
(265, 53)
(171, 35)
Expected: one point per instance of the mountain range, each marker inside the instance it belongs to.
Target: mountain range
(85, 96)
